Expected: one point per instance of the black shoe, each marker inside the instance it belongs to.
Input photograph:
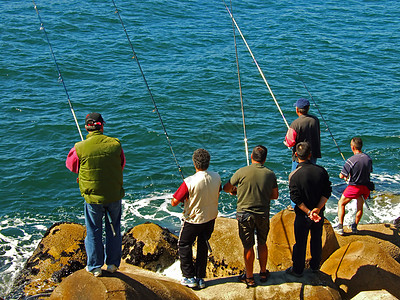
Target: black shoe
(293, 273)
(354, 228)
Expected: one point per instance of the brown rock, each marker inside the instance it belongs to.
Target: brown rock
(60, 253)
(279, 286)
(281, 240)
(362, 266)
(385, 235)
(120, 285)
(150, 246)
(226, 258)
(374, 295)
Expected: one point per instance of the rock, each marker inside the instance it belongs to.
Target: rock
(60, 253)
(385, 235)
(132, 283)
(281, 240)
(362, 266)
(150, 246)
(374, 295)
(279, 286)
(226, 258)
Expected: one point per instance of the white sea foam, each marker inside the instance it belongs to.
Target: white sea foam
(17, 242)
(173, 271)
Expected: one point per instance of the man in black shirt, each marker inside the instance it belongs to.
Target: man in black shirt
(310, 188)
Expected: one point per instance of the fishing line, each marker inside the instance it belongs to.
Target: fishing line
(258, 67)
(148, 88)
(60, 78)
(240, 93)
(315, 103)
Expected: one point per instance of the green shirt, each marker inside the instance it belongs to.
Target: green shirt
(254, 188)
(100, 170)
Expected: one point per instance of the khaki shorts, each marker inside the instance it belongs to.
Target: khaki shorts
(248, 224)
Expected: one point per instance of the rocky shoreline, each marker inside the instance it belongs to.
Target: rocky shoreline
(362, 266)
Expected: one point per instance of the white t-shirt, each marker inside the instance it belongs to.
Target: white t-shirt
(200, 193)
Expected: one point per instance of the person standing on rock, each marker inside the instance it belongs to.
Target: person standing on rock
(99, 160)
(356, 170)
(255, 185)
(310, 188)
(305, 128)
(199, 193)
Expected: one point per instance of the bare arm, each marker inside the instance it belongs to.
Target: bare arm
(275, 194)
(229, 188)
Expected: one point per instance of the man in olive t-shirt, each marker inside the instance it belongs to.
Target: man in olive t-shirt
(255, 186)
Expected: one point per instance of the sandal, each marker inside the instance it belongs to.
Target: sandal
(248, 281)
(264, 276)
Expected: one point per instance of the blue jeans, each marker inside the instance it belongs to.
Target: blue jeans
(313, 160)
(96, 256)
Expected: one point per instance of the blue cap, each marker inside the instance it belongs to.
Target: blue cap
(302, 103)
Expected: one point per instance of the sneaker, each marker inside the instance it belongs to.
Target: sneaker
(354, 228)
(293, 273)
(201, 283)
(95, 272)
(339, 229)
(189, 282)
(112, 268)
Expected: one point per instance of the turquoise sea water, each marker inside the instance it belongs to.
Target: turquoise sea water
(347, 54)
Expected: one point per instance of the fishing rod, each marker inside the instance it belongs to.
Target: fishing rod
(66, 91)
(154, 103)
(315, 103)
(258, 67)
(240, 93)
(60, 78)
(148, 88)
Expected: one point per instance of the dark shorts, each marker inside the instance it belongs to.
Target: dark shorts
(248, 224)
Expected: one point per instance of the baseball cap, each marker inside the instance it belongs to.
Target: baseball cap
(302, 103)
(93, 119)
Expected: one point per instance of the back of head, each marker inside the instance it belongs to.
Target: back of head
(259, 154)
(303, 150)
(303, 105)
(93, 121)
(357, 143)
(201, 159)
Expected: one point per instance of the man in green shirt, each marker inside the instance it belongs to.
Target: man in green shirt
(255, 186)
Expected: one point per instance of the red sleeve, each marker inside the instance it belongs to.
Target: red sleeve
(290, 138)
(72, 162)
(182, 193)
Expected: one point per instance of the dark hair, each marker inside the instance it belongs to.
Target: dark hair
(357, 142)
(93, 127)
(201, 159)
(259, 153)
(303, 150)
(304, 110)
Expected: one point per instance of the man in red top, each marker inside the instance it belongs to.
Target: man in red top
(199, 193)
(304, 129)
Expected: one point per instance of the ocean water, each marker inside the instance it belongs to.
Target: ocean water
(347, 54)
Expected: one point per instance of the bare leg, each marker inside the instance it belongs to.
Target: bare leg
(263, 256)
(360, 205)
(341, 208)
(249, 261)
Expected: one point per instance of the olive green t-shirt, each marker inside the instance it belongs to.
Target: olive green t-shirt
(254, 188)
